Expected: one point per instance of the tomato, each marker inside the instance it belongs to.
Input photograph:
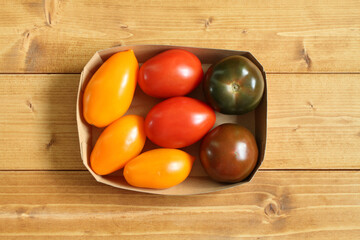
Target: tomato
(159, 168)
(229, 153)
(111, 89)
(178, 122)
(118, 143)
(171, 73)
(234, 85)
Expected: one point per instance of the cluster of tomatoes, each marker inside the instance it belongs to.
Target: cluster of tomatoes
(228, 153)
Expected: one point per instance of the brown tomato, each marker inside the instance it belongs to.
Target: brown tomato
(229, 153)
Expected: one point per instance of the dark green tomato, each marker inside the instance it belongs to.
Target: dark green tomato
(229, 153)
(234, 85)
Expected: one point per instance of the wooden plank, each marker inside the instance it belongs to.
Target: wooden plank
(313, 122)
(286, 36)
(275, 205)
(38, 122)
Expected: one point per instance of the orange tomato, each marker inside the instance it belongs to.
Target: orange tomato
(118, 143)
(110, 91)
(158, 168)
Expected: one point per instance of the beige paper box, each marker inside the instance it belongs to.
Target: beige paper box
(198, 181)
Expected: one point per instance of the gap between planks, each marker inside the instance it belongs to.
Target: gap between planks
(260, 170)
(277, 73)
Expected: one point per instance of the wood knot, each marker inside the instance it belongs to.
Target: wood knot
(208, 22)
(311, 105)
(271, 209)
(50, 8)
(119, 43)
(306, 57)
(26, 41)
(50, 143)
(296, 128)
(21, 210)
(30, 105)
(123, 26)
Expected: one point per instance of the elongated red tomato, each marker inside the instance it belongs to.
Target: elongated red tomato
(178, 122)
(158, 168)
(110, 91)
(171, 73)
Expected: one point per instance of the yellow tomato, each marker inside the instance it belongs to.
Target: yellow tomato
(110, 91)
(118, 143)
(159, 168)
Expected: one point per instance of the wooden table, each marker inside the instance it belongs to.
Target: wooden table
(309, 184)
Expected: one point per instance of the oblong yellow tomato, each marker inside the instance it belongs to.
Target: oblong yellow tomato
(158, 168)
(118, 143)
(110, 91)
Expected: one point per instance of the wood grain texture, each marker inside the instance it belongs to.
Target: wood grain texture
(59, 36)
(38, 123)
(313, 122)
(275, 205)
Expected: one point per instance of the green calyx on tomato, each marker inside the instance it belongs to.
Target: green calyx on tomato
(234, 85)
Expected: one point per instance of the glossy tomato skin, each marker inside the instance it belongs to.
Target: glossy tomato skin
(109, 93)
(158, 168)
(178, 122)
(121, 141)
(171, 73)
(234, 85)
(229, 153)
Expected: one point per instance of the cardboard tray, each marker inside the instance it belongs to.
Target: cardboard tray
(197, 182)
